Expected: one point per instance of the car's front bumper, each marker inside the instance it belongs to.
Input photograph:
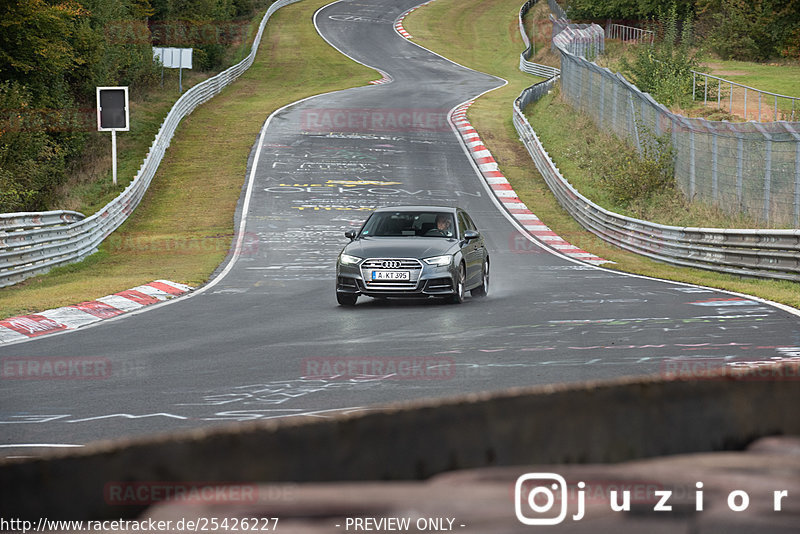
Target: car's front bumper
(431, 281)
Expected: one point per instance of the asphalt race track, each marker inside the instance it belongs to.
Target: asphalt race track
(248, 345)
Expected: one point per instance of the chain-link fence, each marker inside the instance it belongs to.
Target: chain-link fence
(749, 252)
(751, 168)
(585, 40)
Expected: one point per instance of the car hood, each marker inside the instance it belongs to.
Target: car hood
(401, 247)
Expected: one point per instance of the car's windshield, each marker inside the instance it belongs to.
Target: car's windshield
(410, 223)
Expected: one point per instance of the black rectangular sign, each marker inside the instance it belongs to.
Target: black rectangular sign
(112, 108)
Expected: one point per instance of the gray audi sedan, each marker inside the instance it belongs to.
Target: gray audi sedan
(413, 251)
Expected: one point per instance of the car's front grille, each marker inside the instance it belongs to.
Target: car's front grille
(391, 264)
(412, 266)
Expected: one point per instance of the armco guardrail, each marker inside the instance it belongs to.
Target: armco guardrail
(759, 253)
(30, 249)
(10, 222)
(536, 69)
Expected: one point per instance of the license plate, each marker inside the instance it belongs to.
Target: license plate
(391, 275)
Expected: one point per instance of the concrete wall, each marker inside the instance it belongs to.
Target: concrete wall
(594, 422)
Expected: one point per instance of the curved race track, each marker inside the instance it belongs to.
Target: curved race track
(241, 348)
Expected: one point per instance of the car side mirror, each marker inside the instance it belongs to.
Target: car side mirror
(469, 235)
(350, 234)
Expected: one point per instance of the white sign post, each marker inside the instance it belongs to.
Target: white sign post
(113, 114)
(174, 58)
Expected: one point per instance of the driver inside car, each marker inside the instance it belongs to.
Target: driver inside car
(443, 227)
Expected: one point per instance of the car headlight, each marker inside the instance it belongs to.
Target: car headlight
(439, 260)
(347, 259)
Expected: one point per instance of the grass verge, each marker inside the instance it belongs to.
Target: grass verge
(457, 31)
(183, 228)
(601, 165)
(783, 79)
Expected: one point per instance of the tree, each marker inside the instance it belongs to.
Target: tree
(749, 30)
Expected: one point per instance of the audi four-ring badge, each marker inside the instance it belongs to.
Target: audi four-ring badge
(413, 251)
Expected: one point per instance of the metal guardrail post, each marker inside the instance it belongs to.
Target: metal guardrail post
(797, 185)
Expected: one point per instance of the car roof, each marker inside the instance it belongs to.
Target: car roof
(417, 208)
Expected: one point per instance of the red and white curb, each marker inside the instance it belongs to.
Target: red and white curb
(398, 25)
(506, 194)
(72, 317)
(385, 78)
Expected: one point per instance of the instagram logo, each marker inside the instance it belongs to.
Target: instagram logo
(539, 493)
(543, 498)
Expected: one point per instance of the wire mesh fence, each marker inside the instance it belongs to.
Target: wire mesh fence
(751, 168)
(585, 40)
(751, 252)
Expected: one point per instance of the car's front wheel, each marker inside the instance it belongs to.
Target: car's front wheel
(483, 289)
(346, 299)
(458, 285)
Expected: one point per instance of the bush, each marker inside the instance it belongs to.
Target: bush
(52, 56)
(632, 176)
(31, 161)
(665, 69)
(620, 9)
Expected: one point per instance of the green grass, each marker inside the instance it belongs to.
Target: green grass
(184, 226)
(458, 31)
(772, 77)
(780, 78)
